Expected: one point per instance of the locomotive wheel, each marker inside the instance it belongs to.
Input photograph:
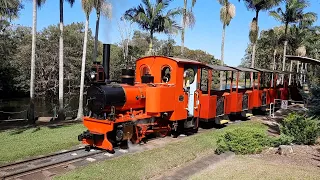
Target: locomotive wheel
(195, 130)
(124, 144)
(163, 133)
(174, 134)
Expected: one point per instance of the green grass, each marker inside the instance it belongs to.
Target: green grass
(242, 167)
(21, 144)
(156, 161)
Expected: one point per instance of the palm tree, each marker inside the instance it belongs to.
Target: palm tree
(188, 19)
(36, 3)
(291, 15)
(101, 6)
(9, 8)
(87, 6)
(150, 17)
(61, 115)
(257, 6)
(227, 12)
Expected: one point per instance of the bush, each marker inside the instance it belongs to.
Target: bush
(243, 140)
(314, 101)
(282, 140)
(304, 130)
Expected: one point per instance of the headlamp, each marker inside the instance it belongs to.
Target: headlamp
(93, 75)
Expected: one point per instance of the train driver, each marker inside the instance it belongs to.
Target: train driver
(186, 81)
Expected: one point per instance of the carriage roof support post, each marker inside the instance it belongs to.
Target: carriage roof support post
(209, 81)
(290, 76)
(259, 77)
(238, 75)
(231, 83)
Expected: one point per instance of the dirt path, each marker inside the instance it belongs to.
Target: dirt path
(189, 169)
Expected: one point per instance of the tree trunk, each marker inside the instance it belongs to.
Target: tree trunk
(222, 54)
(284, 51)
(254, 47)
(151, 45)
(95, 49)
(61, 115)
(31, 118)
(84, 54)
(273, 66)
(255, 42)
(183, 26)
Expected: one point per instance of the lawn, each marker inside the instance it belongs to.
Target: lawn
(24, 143)
(154, 162)
(244, 167)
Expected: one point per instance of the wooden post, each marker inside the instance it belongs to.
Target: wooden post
(291, 63)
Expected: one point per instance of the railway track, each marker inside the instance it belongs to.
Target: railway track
(41, 167)
(29, 166)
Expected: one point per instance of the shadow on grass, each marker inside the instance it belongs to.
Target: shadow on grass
(18, 129)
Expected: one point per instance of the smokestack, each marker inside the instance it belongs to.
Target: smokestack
(106, 60)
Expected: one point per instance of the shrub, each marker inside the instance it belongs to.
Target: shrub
(314, 101)
(304, 130)
(282, 140)
(243, 140)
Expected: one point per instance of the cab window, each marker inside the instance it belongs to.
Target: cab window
(166, 74)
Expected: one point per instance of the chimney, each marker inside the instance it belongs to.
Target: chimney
(106, 60)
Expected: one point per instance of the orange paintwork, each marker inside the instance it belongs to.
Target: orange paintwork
(208, 106)
(159, 99)
(235, 102)
(101, 127)
(155, 64)
(135, 96)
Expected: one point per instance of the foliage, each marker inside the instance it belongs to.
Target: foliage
(282, 140)
(227, 12)
(304, 130)
(293, 13)
(10, 8)
(151, 17)
(314, 101)
(271, 40)
(243, 140)
(15, 53)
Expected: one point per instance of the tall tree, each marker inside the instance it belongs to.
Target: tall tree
(150, 17)
(257, 6)
(9, 8)
(87, 6)
(61, 115)
(227, 12)
(36, 4)
(188, 19)
(101, 6)
(292, 14)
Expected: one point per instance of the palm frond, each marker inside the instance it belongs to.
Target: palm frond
(87, 6)
(106, 9)
(10, 8)
(190, 19)
(231, 10)
(71, 2)
(277, 16)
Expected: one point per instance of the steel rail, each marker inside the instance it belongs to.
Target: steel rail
(38, 158)
(22, 172)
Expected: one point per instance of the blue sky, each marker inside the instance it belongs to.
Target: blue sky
(206, 34)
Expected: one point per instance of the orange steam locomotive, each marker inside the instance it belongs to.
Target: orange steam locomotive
(167, 95)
